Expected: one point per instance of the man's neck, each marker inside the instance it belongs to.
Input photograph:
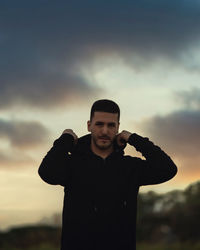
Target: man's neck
(103, 153)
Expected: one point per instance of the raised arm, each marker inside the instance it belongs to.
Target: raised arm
(55, 167)
(158, 166)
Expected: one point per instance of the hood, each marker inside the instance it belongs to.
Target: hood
(84, 142)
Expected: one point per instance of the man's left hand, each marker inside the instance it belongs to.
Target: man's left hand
(123, 137)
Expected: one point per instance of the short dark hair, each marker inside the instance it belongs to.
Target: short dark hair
(105, 105)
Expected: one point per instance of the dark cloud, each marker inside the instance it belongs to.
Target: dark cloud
(178, 133)
(43, 43)
(23, 134)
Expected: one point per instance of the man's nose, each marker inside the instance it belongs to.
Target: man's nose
(105, 130)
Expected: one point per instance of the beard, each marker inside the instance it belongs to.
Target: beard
(103, 142)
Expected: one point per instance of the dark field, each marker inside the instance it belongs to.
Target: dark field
(165, 222)
(48, 238)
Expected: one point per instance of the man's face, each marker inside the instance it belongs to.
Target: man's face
(104, 128)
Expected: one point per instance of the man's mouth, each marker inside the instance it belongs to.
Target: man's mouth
(104, 138)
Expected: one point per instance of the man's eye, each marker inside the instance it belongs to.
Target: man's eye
(112, 125)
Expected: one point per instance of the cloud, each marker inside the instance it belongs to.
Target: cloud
(15, 159)
(23, 134)
(190, 99)
(44, 43)
(177, 132)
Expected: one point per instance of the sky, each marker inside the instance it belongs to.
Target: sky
(58, 57)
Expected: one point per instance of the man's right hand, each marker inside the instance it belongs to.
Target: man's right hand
(71, 132)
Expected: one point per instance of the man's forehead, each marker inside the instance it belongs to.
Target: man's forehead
(105, 116)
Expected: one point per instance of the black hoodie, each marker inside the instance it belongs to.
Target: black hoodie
(100, 202)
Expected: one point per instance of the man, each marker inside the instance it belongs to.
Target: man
(100, 182)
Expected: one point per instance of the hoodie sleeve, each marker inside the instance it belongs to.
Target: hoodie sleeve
(158, 166)
(55, 166)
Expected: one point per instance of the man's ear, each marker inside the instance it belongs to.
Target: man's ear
(89, 126)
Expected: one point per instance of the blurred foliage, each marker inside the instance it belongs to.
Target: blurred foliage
(31, 238)
(175, 246)
(165, 222)
(171, 217)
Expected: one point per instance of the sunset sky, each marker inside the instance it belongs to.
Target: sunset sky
(58, 57)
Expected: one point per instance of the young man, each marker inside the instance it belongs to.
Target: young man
(101, 184)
